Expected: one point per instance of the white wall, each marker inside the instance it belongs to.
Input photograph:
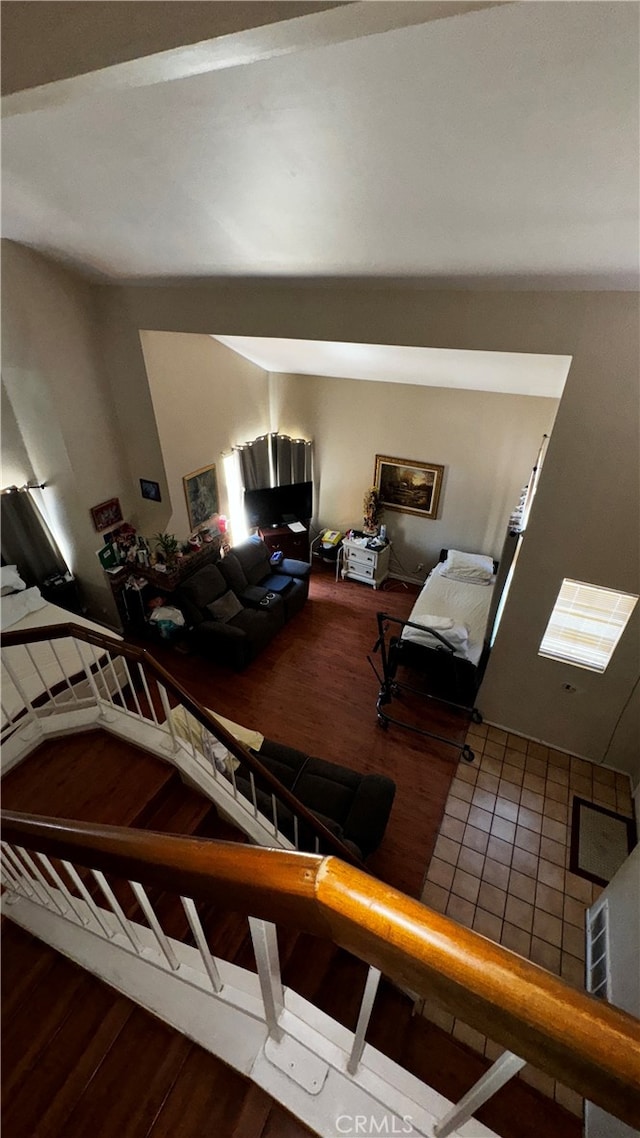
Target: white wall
(205, 398)
(486, 442)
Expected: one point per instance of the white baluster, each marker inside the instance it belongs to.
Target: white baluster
(164, 700)
(19, 870)
(254, 797)
(48, 892)
(55, 876)
(133, 690)
(100, 675)
(116, 909)
(265, 946)
(72, 691)
(84, 892)
(274, 809)
(36, 668)
(26, 702)
(86, 668)
(154, 923)
(15, 882)
(502, 1070)
(201, 941)
(364, 1015)
(296, 837)
(152, 710)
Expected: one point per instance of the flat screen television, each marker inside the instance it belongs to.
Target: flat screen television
(277, 505)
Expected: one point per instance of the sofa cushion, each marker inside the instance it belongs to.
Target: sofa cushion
(204, 586)
(233, 573)
(225, 608)
(276, 583)
(253, 556)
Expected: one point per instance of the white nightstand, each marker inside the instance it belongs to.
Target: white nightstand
(371, 566)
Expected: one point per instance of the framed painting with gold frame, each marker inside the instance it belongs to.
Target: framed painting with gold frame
(201, 493)
(408, 486)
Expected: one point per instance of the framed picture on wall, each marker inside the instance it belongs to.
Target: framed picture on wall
(201, 493)
(407, 486)
(150, 490)
(106, 515)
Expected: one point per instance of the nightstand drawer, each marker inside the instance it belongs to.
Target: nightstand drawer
(361, 568)
(361, 557)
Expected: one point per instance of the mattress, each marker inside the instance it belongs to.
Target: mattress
(465, 603)
(25, 664)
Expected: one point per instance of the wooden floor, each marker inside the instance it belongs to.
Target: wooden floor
(313, 688)
(79, 1059)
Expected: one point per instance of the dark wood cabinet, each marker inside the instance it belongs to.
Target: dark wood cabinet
(286, 541)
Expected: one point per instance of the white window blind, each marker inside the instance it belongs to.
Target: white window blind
(586, 624)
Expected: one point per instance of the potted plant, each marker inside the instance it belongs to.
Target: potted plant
(168, 546)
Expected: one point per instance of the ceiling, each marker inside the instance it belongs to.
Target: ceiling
(497, 147)
(504, 372)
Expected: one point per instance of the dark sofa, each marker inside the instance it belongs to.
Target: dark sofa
(235, 607)
(355, 807)
(248, 571)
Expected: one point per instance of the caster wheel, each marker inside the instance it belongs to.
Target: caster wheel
(467, 754)
(382, 722)
(476, 717)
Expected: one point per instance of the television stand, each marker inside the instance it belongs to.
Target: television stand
(280, 539)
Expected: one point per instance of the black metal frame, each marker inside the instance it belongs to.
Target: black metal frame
(465, 676)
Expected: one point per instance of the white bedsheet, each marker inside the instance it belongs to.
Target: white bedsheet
(52, 672)
(465, 603)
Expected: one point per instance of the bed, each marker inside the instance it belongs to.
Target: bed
(441, 650)
(36, 670)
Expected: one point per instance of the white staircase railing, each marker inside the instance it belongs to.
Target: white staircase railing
(66, 678)
(104, 918)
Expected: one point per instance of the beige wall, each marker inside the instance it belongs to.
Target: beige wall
(585, 519)
(205, 398)
(64, 419)
(486, 442)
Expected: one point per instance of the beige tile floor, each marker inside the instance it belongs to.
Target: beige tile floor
(501, 862)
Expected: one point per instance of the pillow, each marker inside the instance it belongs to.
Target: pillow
(440, 623)
(10, 580)
(475, 568)
(225, 608)
(457, 636)
(233, 573)
(18, 605)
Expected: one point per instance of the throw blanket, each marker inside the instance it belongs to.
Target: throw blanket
(190, 730)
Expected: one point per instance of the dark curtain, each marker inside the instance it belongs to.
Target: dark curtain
(254, 463)
(26, 541)
(275, 460)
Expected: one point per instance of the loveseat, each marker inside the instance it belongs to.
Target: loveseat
(235, 607)
(354, 806)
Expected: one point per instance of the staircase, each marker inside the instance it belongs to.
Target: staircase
(315, 1025)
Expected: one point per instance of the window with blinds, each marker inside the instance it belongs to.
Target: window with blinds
(586, 624)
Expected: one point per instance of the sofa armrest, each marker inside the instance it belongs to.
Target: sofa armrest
(292, 568)
(367, 819)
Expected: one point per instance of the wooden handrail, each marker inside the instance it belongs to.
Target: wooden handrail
(198, 711)
(588, 1045)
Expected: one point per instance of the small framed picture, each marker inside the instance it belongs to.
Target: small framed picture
(106, 515)
(150, 490)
